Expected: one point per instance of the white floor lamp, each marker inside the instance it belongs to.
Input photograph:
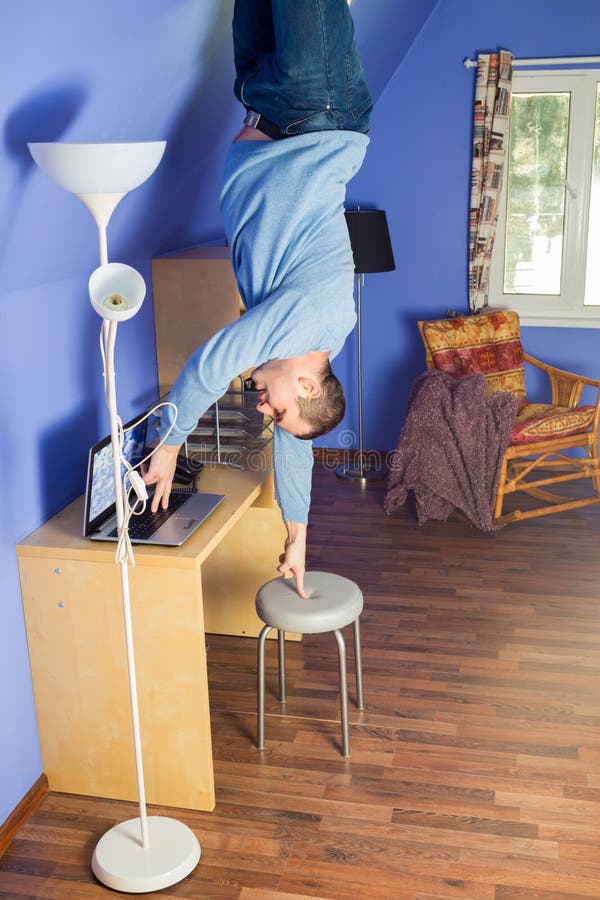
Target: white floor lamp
(150, 852)
(372, 251)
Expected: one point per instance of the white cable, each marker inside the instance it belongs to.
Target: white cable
(132, 480)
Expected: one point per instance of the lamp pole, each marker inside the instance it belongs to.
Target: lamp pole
(372, 252)
(360, 473)
(100, 174)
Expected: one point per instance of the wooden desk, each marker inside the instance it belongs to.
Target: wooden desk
(73, 611)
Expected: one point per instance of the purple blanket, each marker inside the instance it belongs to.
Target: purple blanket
(451, 447)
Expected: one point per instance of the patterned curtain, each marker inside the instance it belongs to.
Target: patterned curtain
(490, 135)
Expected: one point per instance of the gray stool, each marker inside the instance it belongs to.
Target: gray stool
(333, 602)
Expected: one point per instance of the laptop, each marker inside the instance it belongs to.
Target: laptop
(171, 527)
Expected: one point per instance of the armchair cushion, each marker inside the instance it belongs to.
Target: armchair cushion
(542, 422)
(538, 434)
(489, 344)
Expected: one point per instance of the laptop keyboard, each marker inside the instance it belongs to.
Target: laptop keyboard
(143, 526)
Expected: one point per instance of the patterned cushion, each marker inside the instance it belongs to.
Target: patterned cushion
(541, 422)
(489, 344)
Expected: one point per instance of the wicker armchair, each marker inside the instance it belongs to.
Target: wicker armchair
(543, 434)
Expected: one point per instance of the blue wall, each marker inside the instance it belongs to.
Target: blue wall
(88, 71)
(418, 169)
(148, 69)
(99, 70)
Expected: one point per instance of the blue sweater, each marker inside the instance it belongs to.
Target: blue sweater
(282, 206)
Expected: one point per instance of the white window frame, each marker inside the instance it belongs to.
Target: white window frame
(566, 309)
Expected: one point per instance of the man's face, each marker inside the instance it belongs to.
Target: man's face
(277, 387)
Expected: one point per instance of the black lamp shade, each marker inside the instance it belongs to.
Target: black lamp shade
(370, 241)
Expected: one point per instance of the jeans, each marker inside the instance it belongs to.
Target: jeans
(297, 65)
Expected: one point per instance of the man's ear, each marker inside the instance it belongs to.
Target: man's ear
(311, 388)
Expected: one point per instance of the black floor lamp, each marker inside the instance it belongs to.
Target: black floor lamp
(372, 251)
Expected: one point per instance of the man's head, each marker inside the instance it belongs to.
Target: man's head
(301, 394)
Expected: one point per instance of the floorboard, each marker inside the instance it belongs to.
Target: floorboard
(475, 768)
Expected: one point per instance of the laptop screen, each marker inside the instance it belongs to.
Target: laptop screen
(100, 491)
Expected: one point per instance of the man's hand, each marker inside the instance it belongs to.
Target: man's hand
(292, 561)
(160, 473)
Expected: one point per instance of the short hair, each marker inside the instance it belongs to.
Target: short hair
(327, 410)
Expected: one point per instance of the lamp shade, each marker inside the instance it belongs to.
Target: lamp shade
(116, 291)
(98, 168)
(370, 241)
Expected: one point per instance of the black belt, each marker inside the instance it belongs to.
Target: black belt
(261, 123)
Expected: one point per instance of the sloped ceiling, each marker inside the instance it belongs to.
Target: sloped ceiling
(175, 82)
(385, 31)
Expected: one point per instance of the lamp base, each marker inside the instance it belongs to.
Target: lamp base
(121, 862)
(361, 475)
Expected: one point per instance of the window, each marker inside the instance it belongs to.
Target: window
(546, 261)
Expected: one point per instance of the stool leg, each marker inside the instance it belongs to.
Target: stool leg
(281, 657)
(358, 665)
(260, 687)
(343, 691)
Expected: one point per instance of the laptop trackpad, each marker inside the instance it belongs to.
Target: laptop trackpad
(186, 520)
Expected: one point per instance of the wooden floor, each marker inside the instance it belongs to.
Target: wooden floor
(475, 768)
